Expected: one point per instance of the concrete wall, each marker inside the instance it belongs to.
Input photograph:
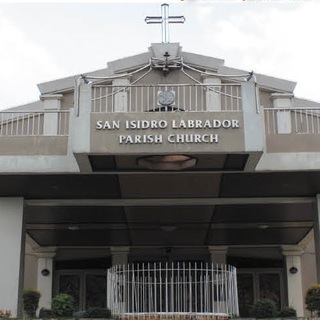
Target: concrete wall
(11, 253)
(30, 270)
(33, 145)
(308, 265)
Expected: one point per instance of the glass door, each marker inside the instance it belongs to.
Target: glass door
(89, 288)
(254, 285)
(96, 290)
(245, 294)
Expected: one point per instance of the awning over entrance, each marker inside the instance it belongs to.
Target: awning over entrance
(166, 209)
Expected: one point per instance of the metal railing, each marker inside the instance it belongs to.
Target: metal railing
(295, 120)
(144, 98)
(32, 123)
(172, 289)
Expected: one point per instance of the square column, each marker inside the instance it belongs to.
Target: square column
(213, 96)
(121, 95)
(52, 105)
(44, 275)
(283, 101)
(218, 254)
(11, 252)
(294, 278)
(120, 255)
(317, 236)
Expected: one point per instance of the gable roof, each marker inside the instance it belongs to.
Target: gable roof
(195, 60)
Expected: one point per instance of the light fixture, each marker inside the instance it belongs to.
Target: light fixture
(293, 270)
(167, 162)
(168, 228)
(45, 272)
(263, 226)
(73, 227)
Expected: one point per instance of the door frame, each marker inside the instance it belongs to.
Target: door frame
(82, 273)
(256, 272)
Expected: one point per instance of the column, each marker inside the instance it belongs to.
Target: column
(52, 105)
(283, 117)
(218, 254)
(120, 255)
(121, 94)
(253, 120)
(294, 277)
(44, 275)
(317, 236)
(11, 252)
(213, 96)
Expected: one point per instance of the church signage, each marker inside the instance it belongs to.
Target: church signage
(165, 131)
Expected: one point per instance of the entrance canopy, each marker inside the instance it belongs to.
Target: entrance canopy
(166, 209)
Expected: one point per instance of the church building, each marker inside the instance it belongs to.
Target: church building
(166, 159)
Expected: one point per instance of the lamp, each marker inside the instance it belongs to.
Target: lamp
(293, 270)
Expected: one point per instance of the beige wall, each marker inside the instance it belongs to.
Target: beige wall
(279, 143)
(33, 145)
(67, 101)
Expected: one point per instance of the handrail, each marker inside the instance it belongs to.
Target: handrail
(32, 122)
(183, 97)
(301, 120)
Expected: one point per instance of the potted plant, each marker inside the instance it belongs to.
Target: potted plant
(30, 299)
(312, 299)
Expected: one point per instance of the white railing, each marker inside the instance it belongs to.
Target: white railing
(160, 290)
(31, 123)
(293, 120)
(144, 98)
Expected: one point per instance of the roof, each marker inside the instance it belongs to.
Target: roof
(195, 60)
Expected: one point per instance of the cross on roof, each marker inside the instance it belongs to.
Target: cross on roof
(165, 19)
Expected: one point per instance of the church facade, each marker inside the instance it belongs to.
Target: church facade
(165, 157)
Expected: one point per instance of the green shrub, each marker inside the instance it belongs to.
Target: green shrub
(30, 299)
(96, 312)
(312, 298)
(287, 312)
(264, 308)
(62, 305)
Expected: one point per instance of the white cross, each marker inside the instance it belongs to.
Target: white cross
(165, 19)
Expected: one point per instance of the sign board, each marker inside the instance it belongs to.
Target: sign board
(167, 132)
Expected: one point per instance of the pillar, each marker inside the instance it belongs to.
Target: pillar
(317, 236)
(120, 255)
(44, 275)
(11, 252)
(283, 101)
(52, 105)
(253, 120)
(294, 277)
(218, 254)
(121, 95)
(213, 96)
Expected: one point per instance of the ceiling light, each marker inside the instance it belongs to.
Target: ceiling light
(168, 228)
(73, 227)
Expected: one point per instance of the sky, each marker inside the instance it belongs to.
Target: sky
(44, 41)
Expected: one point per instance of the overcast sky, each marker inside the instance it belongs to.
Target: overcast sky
(45, 41)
